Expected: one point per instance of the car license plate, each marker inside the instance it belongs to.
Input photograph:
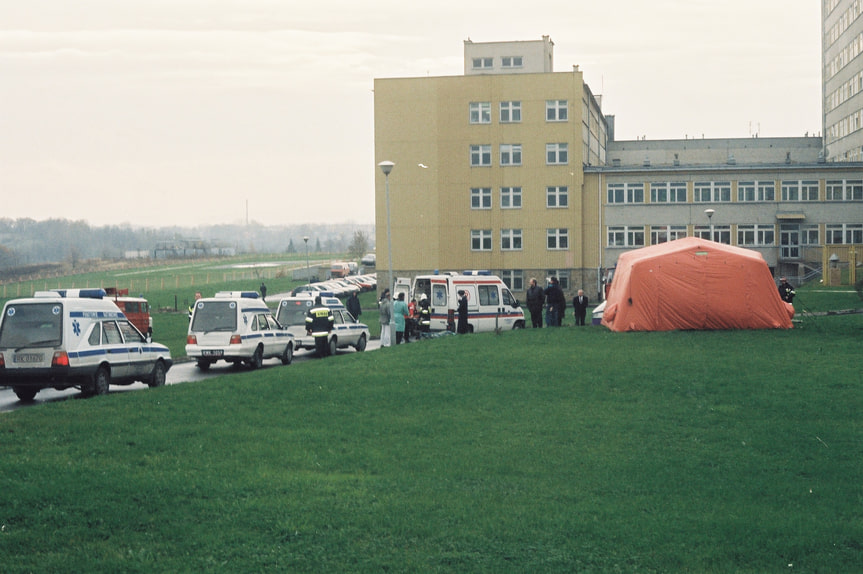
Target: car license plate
(28, 358)
(212, 352)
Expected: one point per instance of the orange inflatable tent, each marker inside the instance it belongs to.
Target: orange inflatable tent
(694, 283)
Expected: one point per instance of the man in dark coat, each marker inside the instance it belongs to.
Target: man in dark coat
(462, 313)
(786, 291)
(353, 306)
(535, 301)
(556, 303)
(579, 305)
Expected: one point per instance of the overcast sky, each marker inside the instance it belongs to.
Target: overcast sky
(182, 112)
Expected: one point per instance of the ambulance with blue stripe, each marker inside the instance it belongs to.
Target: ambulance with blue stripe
(74, 338)
(490, 304)
(236, 327)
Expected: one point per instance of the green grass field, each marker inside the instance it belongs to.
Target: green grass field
(553, 450)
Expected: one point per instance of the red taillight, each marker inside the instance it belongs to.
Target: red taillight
(60, 359)
(236, 340)
(191, 340)
(2, 361)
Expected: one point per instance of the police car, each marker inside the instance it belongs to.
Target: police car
(347, 332)
(237, 327)
(74, 338)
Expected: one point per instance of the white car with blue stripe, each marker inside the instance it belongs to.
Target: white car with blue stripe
(237, 327)
(347, 331)
(74, 338)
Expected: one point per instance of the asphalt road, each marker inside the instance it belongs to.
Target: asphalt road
(183, 372)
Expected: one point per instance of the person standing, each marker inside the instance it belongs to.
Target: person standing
(319, 324)
(263, 292)
(579, 305)
(386, 309)
(354, 307)
(462, 313)
(425, 315)
(400, 311)
(555, 302)
(535, 301)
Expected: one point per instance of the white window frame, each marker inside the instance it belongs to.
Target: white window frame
(711, 192)
(557, 239)
(557, 197)
(513, 278)
(756, 235)
(480, 198)
(511, 240)
(510, 197)
(556, 111)
(616, 236)
(753, 190)
(617, 193)
(721, 233)
(557, 154)
(810, 234)
(664, 233)
(510, 112)
(480, 112)
(482, 63)
(480, 239)
(845, 190)
(480, 155)
(510, 62)
(510, 154)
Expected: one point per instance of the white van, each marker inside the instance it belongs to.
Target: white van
(74, 338)
(237, 327)
(490, 303)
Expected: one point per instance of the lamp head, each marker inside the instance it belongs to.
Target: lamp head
(386, 167)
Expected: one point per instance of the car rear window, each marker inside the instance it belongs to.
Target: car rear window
(292, 313)
(32, 325)
(215, 316)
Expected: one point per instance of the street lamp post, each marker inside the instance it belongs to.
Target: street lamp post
(387, 167)
(710, 213)
(308, 269)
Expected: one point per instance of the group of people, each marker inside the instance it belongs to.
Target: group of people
(553, 302)
(406, 319)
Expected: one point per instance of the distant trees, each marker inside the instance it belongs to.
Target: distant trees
(359, 246)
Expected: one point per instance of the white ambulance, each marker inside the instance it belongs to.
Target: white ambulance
(490, 305)
(237, 327)
(74, 338)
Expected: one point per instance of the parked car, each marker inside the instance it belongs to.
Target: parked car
(347, 331)
(237, 327)
(368, 259)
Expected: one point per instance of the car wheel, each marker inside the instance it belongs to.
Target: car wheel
(257, 359)
(25, 394)
(333, 346)
(204, 365)
(361, 344)
(288, 355)
(157, 378)
(101, 381)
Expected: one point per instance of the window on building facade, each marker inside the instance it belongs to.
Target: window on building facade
(510, 198)
(721, 233)
(510, 112)
(557, 154)
(810, 235)
(513, 278)
(625, 192)
(510, 154)
(483, 63)
(756, 191)
(626, 236)
(845, 190)
(510, 239)
(480, 198)
(635, 236)
(480, 112)
(556, 111)
(617, 236)
(480, 155)
(712, 191)
(480, 239)
(511, 61)
(557, 238)
(751, 235)
(557, 196)
(665, 192)
(844, 233)
(664, 233)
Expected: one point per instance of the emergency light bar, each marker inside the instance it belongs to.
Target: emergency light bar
(236, 294)
(477, 272)
(73, 293)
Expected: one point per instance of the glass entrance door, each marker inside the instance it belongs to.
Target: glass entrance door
(789, 240)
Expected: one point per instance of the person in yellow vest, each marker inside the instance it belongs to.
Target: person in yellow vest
(319, 324)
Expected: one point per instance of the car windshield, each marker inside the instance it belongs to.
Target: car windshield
(32, 325)
(214, 316)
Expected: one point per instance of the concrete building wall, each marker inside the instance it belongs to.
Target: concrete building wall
(842, 79)
(527, 57)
